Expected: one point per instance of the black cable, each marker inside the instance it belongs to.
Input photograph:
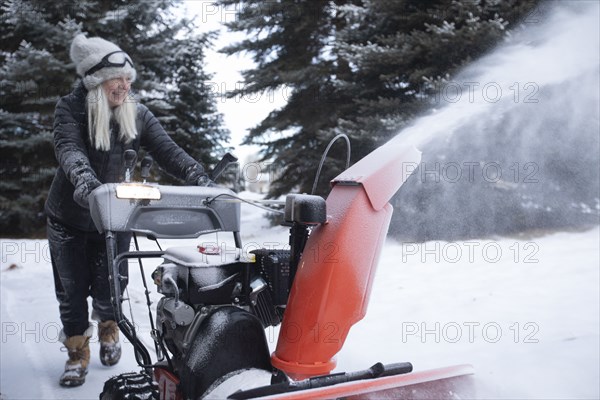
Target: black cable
(331, 142)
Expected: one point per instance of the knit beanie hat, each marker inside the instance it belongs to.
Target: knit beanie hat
(98, 60)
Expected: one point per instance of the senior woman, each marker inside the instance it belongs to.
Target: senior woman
(93, 126)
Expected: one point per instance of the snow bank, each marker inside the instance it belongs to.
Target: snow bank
(525, 312)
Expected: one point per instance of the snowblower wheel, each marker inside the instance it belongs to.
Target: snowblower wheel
(130, 386)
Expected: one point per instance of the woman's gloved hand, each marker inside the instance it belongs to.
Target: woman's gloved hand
(204, 180)
(83, 189)
(198, 177)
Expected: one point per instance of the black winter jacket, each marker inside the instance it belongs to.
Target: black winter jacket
(78, 159)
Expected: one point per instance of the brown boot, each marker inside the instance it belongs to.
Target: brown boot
(110, 347)
(79, 358)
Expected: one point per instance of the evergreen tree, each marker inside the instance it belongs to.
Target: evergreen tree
(362, 67)
(197, 126)
(403, 53)
(36, 71)
(292, 44)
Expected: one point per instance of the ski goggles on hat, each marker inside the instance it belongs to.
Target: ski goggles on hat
(115, 59)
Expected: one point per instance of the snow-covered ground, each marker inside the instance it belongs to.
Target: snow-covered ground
(524, 311)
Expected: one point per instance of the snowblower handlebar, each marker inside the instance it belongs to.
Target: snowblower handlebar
(190, 214)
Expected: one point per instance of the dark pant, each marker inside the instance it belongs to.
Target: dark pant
(80, 269)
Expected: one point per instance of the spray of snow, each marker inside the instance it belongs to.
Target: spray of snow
(562, 49)
(513, 144)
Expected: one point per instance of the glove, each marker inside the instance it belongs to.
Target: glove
(196, 176)
(82, 191)
(204, 180)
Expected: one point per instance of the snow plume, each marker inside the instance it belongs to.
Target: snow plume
(512, 143)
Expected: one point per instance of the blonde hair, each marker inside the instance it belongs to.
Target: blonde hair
(100, 114)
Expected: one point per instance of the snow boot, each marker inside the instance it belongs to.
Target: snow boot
(76, 366)
(110, 347)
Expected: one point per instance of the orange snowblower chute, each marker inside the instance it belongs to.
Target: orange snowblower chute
(333, 282)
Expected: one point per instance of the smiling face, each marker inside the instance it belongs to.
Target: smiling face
(116, 90)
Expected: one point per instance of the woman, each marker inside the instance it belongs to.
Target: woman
(93, 126)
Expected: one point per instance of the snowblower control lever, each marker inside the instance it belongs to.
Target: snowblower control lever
(129, 159)
(146, 165)
(227, 159)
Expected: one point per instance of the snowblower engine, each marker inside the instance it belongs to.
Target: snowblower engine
(196, 281)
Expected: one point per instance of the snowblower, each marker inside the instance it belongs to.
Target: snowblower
(216, 302)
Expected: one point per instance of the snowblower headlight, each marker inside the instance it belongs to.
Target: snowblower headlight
(137, 192)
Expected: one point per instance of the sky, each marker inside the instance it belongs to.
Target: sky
(242, 112)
